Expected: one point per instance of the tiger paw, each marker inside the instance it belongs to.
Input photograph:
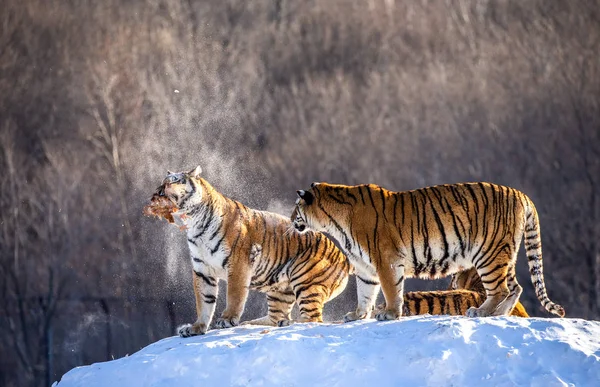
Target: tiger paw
(284, 323)
(353, 316)
(189, 330)
(477, 312)
(379, 308)
(224, 322)
(387, 315)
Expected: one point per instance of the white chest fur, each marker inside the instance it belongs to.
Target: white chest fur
(207, 248)
(359, 259)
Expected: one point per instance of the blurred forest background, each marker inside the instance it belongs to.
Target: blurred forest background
(99, 98)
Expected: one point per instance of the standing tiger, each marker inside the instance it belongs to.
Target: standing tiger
(251, 249)
(429, 233)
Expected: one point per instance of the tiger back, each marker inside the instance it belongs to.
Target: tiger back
(251, 249)
(429, 233)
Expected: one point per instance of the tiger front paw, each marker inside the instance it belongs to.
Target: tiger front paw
(387, 315)
(194, 329)
(284, 323)
(353, 316)
(225, 322)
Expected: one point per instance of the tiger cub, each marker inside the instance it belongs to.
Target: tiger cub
(429, 233)
(465, 291)
(251, 249)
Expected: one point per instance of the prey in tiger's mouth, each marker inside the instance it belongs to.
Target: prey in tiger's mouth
(162, 207)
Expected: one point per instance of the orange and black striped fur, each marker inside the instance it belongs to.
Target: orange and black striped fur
(465, 291)
(429, 233)
(469, 279)
(252, 249)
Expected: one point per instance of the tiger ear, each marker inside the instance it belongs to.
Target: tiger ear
(306, 196)
(195, 173)
(313, 185)
(169, 172)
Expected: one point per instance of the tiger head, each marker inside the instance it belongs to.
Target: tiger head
(314, 207)
(182, 188)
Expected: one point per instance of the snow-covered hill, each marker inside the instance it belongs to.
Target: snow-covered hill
(414, 351)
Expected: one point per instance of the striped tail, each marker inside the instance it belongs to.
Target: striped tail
(533, 249)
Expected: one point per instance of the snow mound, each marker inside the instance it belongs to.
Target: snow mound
(413, 351)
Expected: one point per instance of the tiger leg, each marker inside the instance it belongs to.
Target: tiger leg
(238, 286)
(310, 303)
(505, 308)
(367, 288)
(206, 287)
(280, 309)
(494, 278)
(392, 284)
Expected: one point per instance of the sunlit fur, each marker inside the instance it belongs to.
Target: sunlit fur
(469, 279)
(465, 291)
(429, 233)
(252, 249)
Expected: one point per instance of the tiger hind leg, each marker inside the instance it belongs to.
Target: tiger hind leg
(310, 303)
(494, 278)
(392, 285)
(506, 306)
(280, 305)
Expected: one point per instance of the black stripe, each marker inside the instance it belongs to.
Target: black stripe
(308, 310)
(475, 227)
(395, 211)
(458, 303)
(298, 275)
(534, 246)
(271, 298)
(308, 299)
(347, 243)
(383, 203)
(491, 258)
(430, 303)
(376, 219)
(209, 280)
(366, 281)
(425, 231)
(496, 268)
(399, 280)
(350, 194)
(333, 195)
(412, 239)
(214, 250)
(440, 225)
(361, 194)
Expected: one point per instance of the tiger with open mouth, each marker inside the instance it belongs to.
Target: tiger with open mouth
(249, 249)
